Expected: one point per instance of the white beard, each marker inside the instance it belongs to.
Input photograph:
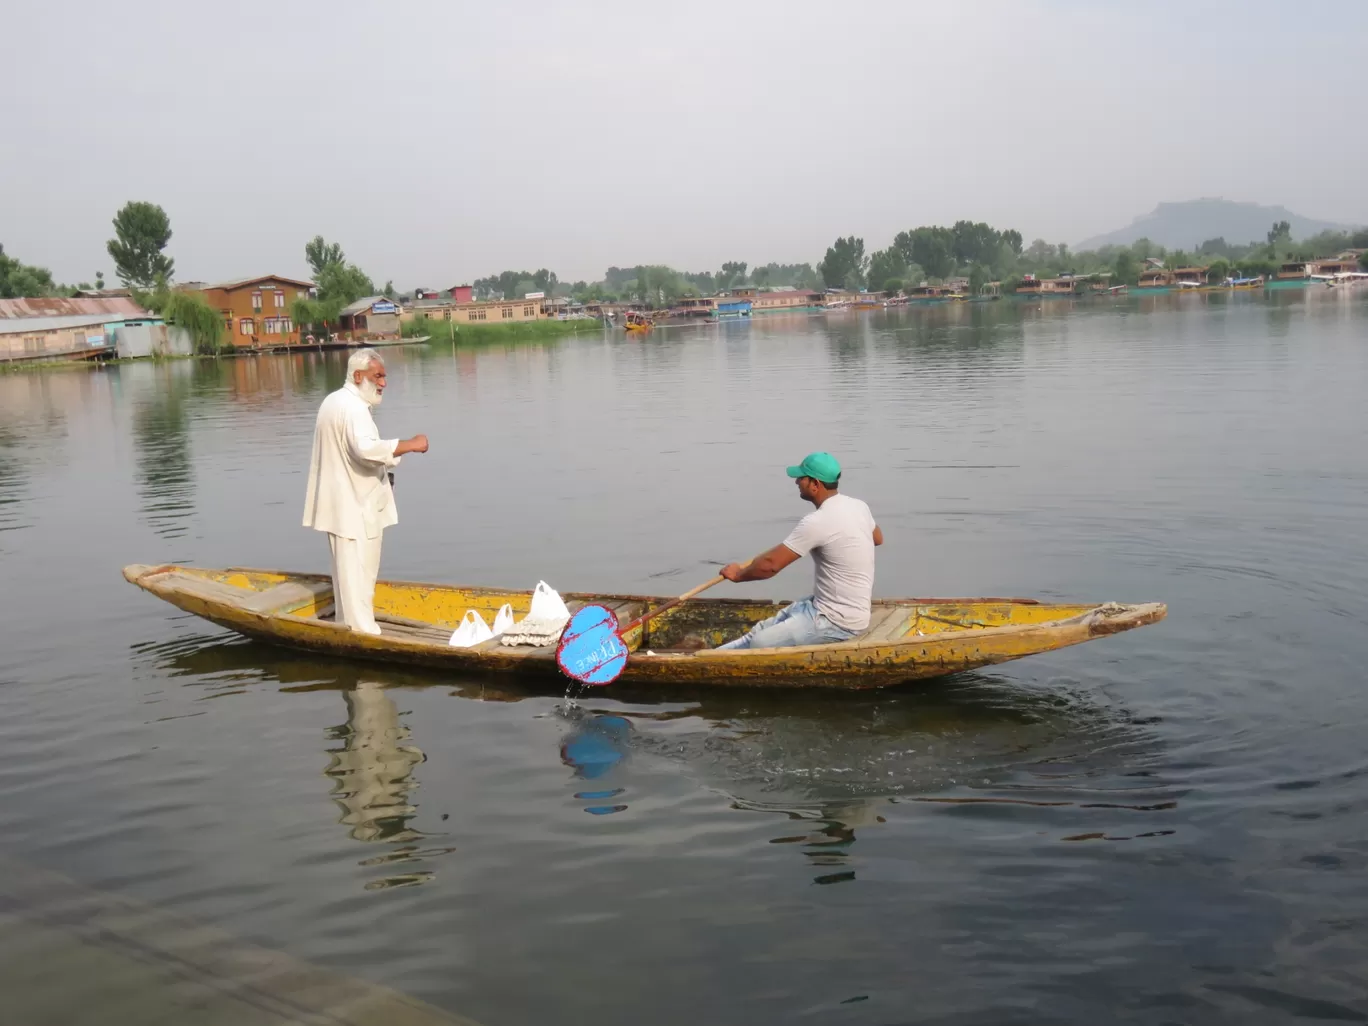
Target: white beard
(369, 392)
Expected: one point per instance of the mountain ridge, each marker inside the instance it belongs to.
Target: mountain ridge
(1186, 224)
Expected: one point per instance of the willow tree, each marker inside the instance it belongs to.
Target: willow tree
(191, 312)
(321, 314)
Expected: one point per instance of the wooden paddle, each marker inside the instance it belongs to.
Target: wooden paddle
(592, 648)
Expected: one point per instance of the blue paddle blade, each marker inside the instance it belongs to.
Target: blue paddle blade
(590, 650)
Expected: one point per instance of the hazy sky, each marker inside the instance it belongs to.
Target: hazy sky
(440, 141)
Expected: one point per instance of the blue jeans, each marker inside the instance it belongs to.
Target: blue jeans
(795, 624)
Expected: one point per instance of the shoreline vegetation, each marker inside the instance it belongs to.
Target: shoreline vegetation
(969, 259)
(439, 332)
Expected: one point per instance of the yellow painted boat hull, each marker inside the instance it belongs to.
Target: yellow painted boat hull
(908, 639)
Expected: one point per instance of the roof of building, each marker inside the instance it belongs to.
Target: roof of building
(240, 282)
(362, 305)
(59, 306)
(26, 325)
(101, 293)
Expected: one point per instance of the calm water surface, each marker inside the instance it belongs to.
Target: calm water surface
(1165, 826)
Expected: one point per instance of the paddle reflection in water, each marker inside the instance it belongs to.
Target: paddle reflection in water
(595, 746)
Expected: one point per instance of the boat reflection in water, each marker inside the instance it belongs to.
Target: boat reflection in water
(833, 766)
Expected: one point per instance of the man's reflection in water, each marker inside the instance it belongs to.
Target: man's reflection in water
(372, 771)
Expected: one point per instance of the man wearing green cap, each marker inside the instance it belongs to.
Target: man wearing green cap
(840, 534)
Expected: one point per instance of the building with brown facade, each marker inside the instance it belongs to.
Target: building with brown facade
(256, 311)
(786, 299)
(484, 311)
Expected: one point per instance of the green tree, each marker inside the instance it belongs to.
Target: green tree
(974, 241)
(1126, 269)
(321, 254)
(930, 246)
(887, 268)
(21, 281)
(979, 275)
(141, 232)
(1012, 238)
(1142, 249)
(345, 283)
(732, 275)
(99, 279)
(845, 264)
(388, 290)
(1218, 270)
(1280, 234)
(544, 281)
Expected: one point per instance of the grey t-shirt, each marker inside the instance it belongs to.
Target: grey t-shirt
(840, 536)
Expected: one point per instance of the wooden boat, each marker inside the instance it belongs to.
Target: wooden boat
(907, 639)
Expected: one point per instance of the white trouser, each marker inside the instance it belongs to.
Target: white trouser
(355, 566)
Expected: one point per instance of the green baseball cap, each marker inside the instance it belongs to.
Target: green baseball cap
(820, 466)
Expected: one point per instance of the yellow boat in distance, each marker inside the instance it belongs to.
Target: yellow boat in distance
(908, 639)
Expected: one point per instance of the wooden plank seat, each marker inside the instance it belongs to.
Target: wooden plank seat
(887, 625)
(281, 598)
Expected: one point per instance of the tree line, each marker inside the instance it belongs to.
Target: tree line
(928, 254)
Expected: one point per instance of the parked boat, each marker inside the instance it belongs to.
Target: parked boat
(1342, 279)
(637, 322)
(907, 639)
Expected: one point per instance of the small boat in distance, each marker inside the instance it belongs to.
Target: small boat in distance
(907, 639)
(638, 322)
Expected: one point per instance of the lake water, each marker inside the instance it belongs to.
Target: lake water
(1165, 826)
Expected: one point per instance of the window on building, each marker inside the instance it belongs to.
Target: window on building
(446, 315)
(246, 326)
(482, 314)
(280, 300)
(228, 323)
(34, 344)
(301, 294)
(507, 312)
(287, 325)
(529, 311)
(256, 301)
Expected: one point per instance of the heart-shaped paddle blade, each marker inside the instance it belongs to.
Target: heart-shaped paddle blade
(590, 650)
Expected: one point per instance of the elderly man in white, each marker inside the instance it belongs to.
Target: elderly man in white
(350, 496)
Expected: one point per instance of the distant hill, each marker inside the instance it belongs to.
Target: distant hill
(1187, 225)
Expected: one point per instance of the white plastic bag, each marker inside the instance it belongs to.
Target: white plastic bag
(503, 620)
(472, 631)
(547, 604)
(546, 618)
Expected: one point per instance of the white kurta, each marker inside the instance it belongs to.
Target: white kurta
(350, 499)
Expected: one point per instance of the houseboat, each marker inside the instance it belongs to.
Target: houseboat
(1295, 274)
(1190, 277)
(786, 300)
(929, 294)
(1156, 280)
